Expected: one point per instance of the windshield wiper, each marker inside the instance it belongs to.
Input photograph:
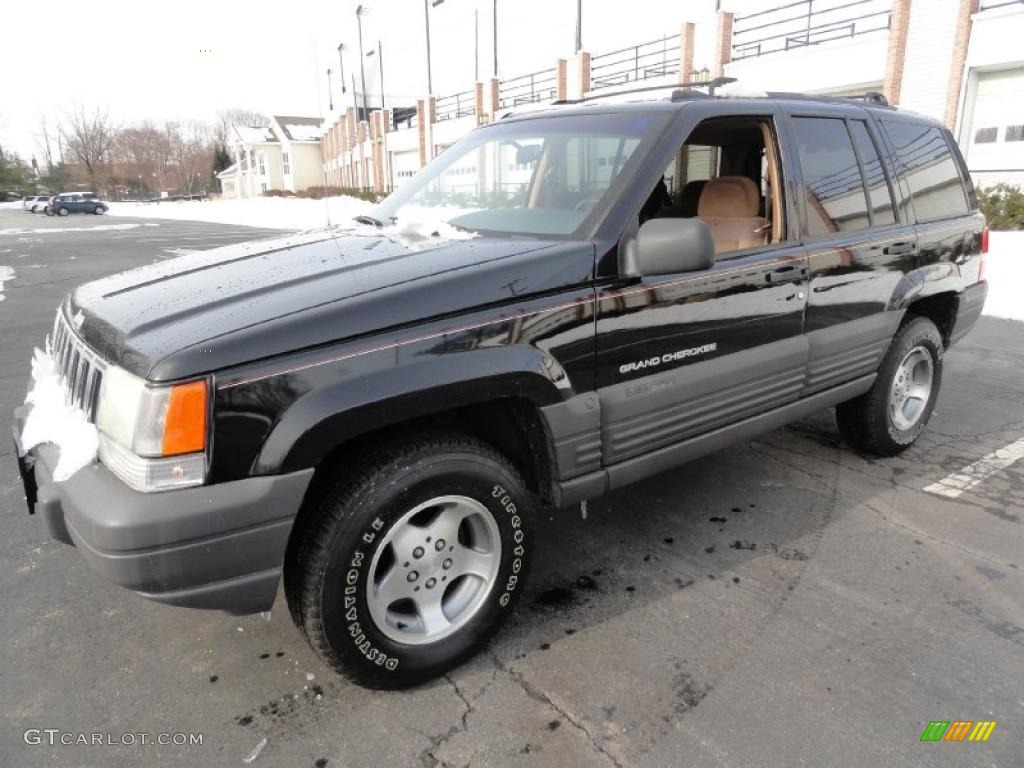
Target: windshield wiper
(364, 219)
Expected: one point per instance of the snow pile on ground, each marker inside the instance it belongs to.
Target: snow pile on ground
(52, 420)
(1004, 270)
(6, 274)
(271, 212)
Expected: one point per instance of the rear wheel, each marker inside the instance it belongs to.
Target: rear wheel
(410, 563)
(889, 417)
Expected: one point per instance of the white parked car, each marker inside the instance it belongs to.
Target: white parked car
(34, 203)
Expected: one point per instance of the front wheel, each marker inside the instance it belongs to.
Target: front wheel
(889, 417)
(62, 211)
(99, 210)
(408, 565)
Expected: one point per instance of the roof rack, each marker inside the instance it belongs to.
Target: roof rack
(873, 98)
(682, 89)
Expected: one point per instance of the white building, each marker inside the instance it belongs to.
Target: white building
(282, 155)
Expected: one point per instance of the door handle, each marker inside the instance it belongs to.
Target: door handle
(788, 275)
(899, 249)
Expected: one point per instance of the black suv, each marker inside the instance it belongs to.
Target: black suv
(561, 303)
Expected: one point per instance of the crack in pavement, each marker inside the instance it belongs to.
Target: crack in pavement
(538, 695)
(427, 757)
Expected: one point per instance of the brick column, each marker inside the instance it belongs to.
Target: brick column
(495, 96)
(377, 130)
(686, 52)
(421, 129)
(561, 80)
(898, 24)
(956, 71)
(478, 103)
(584, 64)
(364, 176)
(723, 43)
(385, 124)
(431, 122)
(350, 148)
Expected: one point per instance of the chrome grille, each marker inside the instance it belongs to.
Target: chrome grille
(81, 369)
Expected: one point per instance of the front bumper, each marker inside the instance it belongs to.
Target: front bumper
(218, 546)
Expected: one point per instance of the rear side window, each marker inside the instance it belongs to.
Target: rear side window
(874, 176)
(931, 172)
(836, 200)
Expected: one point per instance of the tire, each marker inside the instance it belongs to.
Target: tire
(389, 525)
(99, 210)
(48, 211)
(62, 211)
(889, 417)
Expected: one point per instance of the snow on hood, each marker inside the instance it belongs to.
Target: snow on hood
(52, 420)
(420, 227)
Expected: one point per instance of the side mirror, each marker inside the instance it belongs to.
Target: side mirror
(666, 246)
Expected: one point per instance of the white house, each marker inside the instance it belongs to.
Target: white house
(283, 155)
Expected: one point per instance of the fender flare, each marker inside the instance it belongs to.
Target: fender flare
(328, 416)
(925, 281)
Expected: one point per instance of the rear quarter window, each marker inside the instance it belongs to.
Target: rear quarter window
(936, 186)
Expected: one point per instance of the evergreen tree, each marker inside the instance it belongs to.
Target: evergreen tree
(221, 160)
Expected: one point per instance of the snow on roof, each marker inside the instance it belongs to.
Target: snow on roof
(231, 170)
(300, 128)
(249, 134)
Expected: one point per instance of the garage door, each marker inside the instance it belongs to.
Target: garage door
(995, 141)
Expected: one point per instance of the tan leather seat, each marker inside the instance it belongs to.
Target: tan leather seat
(728, 205)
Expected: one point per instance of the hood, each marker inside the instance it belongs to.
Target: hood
(210, 310)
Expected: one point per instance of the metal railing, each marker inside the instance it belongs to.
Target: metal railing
(528, 89)
(657, 58)
(806, 23)
(990, 5)
(455, 106)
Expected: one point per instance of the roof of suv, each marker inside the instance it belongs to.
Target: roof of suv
(675, 97)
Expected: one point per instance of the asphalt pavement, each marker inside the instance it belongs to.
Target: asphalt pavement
(783, 602)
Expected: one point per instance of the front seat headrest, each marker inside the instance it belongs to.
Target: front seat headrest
(729, 197)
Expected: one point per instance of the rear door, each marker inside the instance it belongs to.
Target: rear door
(942, 198)
(859, 245)
(682, 354)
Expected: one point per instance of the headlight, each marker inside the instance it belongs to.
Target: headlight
(155, 436)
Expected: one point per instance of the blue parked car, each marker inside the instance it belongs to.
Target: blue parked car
(76, 202)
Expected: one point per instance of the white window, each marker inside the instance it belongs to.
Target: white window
(263, 167)
(285, 163)
(263, 187)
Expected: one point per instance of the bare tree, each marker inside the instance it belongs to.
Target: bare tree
(45, 139)
(143, 152)
(227, 118)
(89, 137)
(190, 147)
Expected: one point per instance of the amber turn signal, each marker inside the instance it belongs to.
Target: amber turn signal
(185, 425)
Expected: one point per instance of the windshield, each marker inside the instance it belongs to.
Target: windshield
(541, 177)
